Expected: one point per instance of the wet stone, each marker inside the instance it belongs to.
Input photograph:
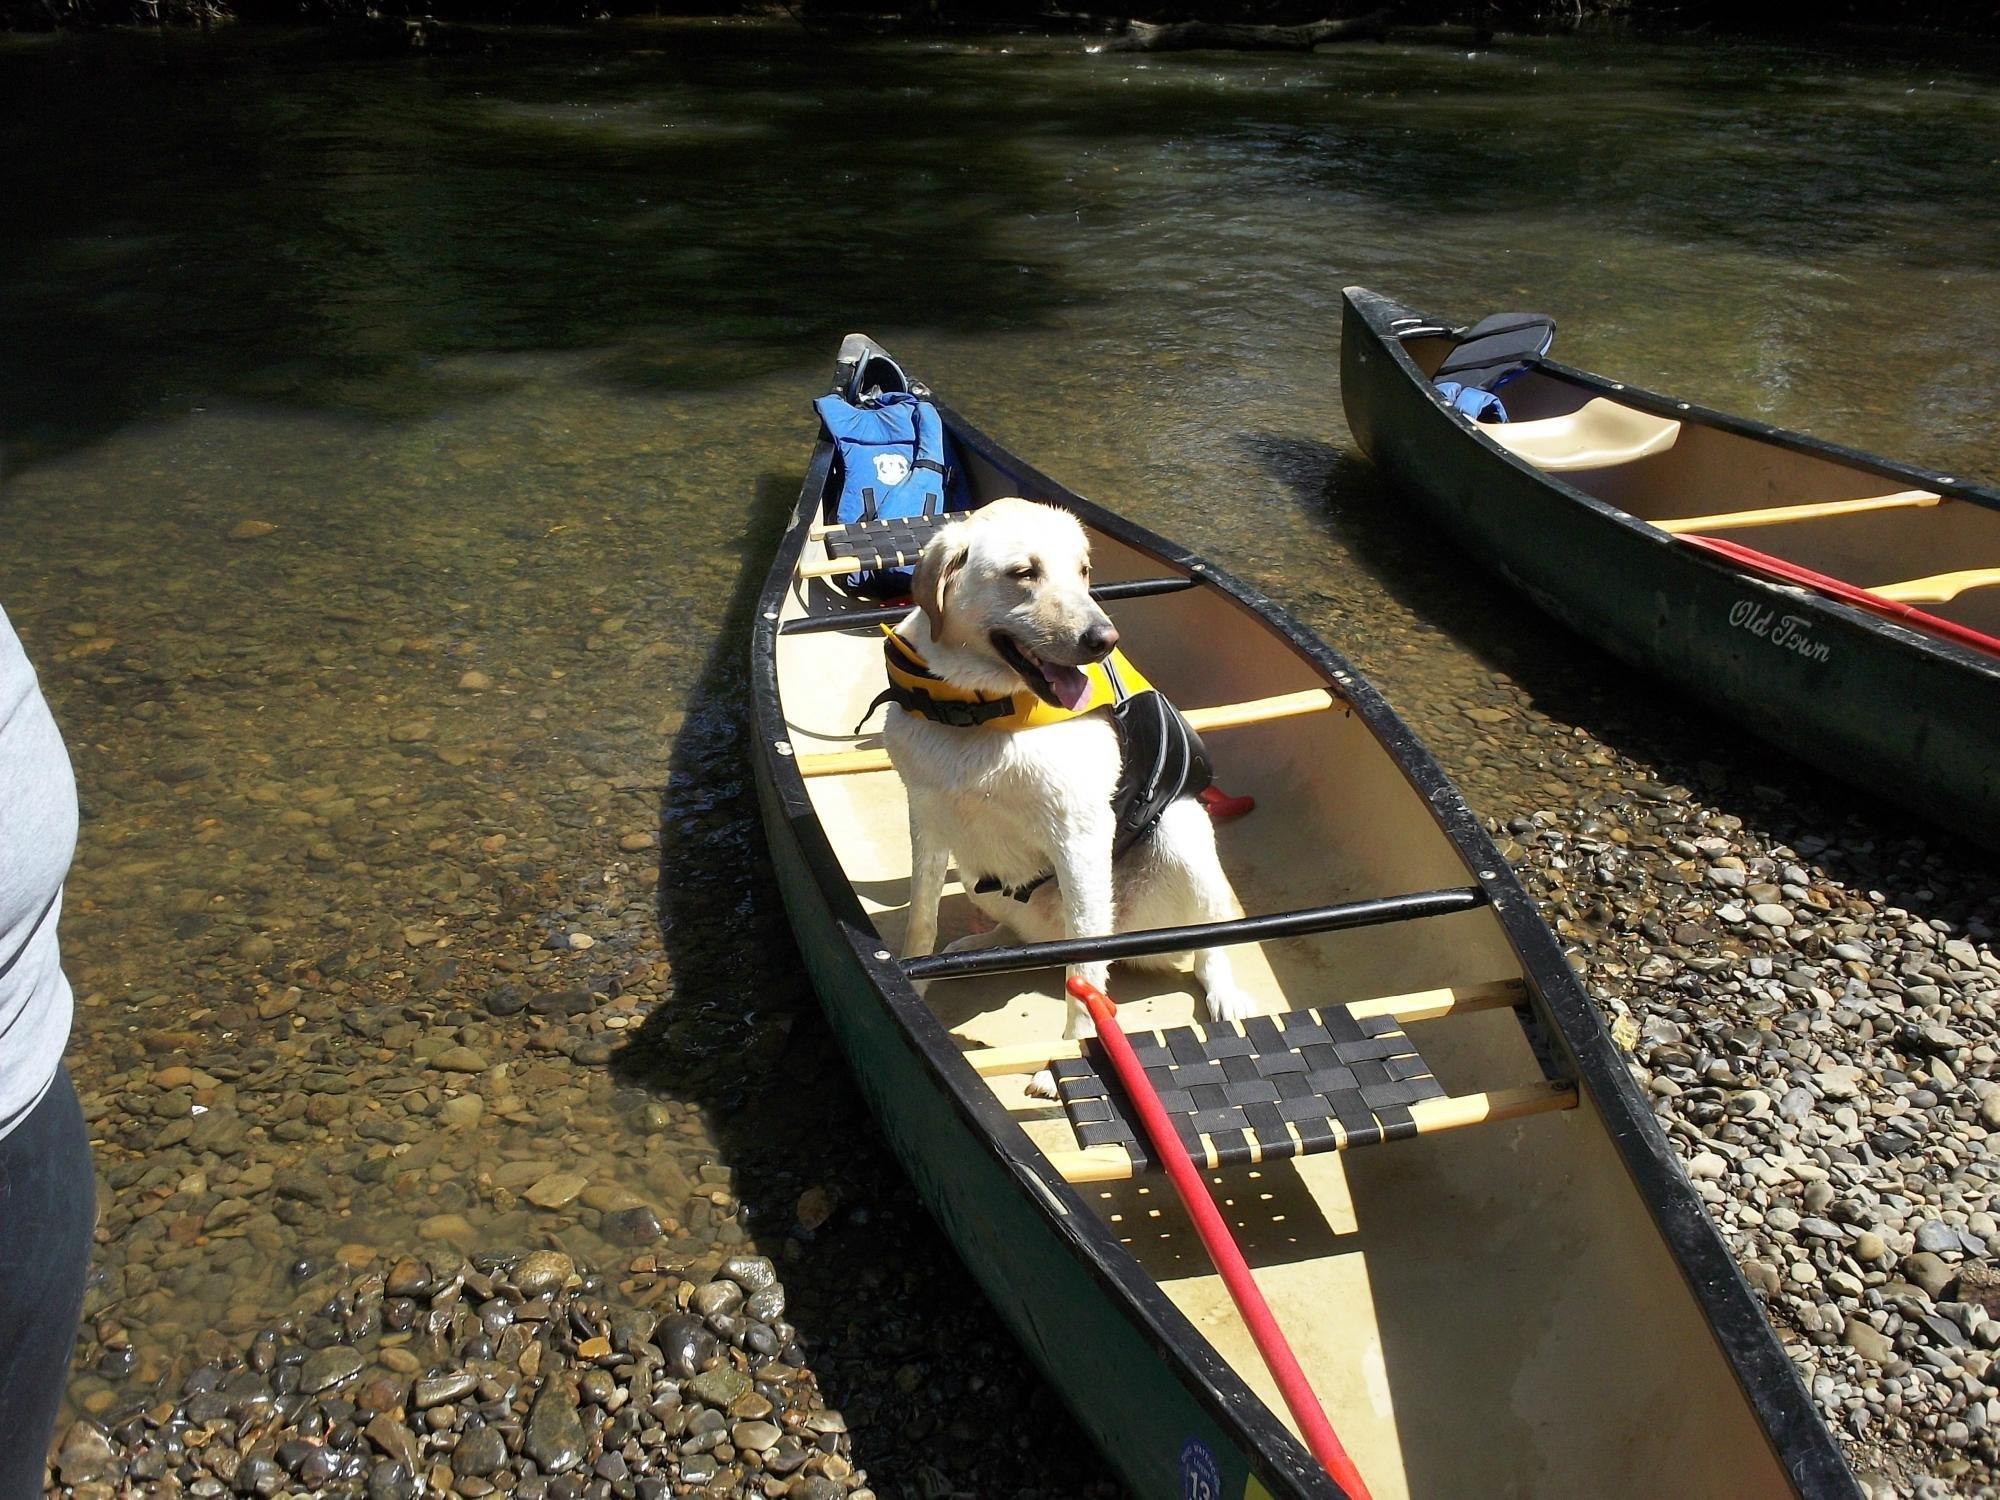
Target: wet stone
(751, 1272)
(685, 1342)
(718, 1387)
(480, 1451)
(698, 1468)
(394, 1441)
(329, 1367)
(556, 1190)
(631, 1226)
(718, 1299)
(438, 1389)
(542, 1272)
(554, 1436)
(258, 1476)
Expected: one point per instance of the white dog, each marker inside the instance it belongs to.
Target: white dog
(1004, 605)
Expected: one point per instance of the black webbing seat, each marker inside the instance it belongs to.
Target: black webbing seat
(1260, 1089)
(891, 542)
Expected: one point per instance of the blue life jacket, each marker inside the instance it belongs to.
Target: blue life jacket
(1487, 356)
(894, 464)
(1481, 406)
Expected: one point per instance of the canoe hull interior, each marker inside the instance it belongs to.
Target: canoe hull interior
(1088, 1346)
(1907, 719)
(1532, 1306)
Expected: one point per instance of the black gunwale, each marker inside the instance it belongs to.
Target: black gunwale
(1382, 313)
(1766, 1377)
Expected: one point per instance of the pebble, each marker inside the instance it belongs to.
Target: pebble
(556, 1189)
(720, 1386)
(481, 1451)
(326, 1368)
(1867, 1342)
(1929, 1272)
(554, 1437)
(439, 1389)
(1937, 1238)
(541, 1273)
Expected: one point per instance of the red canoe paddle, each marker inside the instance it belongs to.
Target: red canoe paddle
(1221, 1247)
(1846, 593)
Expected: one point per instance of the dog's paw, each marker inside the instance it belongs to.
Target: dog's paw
(1042, 1085)
(1080, 1025)
(1230, 1004)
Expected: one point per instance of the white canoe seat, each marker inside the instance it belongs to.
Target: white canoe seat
(1597, 435)
(1939, 587)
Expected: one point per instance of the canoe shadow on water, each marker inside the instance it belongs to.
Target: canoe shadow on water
(875, 1289)
(1869, 843)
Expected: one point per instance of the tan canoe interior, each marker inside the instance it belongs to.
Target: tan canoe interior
(1486, 1310)
(1940, 554)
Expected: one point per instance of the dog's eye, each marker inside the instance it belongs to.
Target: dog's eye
(1027, 572)
(1084, 571)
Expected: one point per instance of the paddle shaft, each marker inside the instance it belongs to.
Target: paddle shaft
(1221, 1247)
(1846, 593)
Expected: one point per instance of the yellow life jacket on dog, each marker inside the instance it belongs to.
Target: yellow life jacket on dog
(916, 689)
(1161, 756)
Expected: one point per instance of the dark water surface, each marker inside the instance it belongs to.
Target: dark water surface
(513, 348)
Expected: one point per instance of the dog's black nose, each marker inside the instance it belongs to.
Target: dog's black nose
(1098, 640)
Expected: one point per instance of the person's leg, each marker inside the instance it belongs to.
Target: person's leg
(48, 1207)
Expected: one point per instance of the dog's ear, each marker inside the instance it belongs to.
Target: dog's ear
(937, 569)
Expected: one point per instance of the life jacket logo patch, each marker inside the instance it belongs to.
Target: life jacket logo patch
(891, 469)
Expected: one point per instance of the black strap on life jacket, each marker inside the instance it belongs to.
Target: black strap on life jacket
(1162, 759)
(951, 711)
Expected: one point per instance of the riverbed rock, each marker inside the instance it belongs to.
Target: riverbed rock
(554, 1436)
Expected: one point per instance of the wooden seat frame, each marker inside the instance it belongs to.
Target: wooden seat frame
(1114, 1164)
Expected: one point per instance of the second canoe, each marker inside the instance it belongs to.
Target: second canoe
(1845, 607)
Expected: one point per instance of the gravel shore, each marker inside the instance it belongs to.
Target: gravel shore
(525, 1377)
(1823, 1058)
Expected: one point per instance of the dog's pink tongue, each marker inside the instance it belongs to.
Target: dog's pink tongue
(1071, 687)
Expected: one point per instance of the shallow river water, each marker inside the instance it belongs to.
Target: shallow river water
(390, 445)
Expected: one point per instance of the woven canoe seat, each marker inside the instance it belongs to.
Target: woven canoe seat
(889, 543)
(1261, 1089)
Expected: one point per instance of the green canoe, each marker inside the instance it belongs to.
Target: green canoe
(1486, 1256)
(1844, 607)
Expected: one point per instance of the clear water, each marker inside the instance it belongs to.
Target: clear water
(513, 348)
